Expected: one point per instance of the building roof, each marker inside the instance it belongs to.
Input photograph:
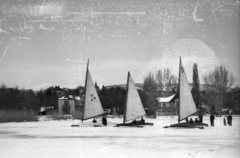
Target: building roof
(70, 97)
(138, 86)
(57, 88)
(165, 99)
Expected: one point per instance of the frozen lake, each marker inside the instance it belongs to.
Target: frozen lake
(56, 139)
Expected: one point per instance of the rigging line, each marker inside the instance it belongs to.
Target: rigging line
(2, 40)
(75, 61)
(6, 49)
(10, 43)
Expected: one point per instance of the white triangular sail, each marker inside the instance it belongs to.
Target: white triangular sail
(92, 104)
(187, 106)
(134, 107)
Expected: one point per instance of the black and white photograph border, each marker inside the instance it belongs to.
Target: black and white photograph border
(55, 53)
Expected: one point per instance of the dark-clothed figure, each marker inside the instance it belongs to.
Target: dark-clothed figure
(94, 121)
(191, 121)
(224, 121)
(142, 120)
(104, 121)
(196, 120)
(200, 117)
(229, 120)
(134, 121)
(212, 120)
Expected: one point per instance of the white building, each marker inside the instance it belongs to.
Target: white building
(68, 105)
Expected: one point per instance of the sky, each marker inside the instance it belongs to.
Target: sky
(48, 43)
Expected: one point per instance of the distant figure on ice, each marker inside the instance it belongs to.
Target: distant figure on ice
(134, 121)
(142, 120)
(224, 121)
(200, 117)
(104, 120)
(196, 120)
(191, 121)
(229, 120)
(94, 121)
(212, 120)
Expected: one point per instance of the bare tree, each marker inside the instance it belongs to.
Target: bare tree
(165, 80)
(218, 82)
(159, 79)
(150, 88)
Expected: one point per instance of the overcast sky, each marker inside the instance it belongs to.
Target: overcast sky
(47, 43)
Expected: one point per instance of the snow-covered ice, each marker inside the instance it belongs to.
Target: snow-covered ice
(56, 139)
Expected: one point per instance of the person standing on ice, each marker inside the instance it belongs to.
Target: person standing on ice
(229, 120)
(104, 120)
(200, 117)
(212, 119)
(224, 121)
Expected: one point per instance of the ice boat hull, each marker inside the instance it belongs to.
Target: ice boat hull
(188, 125)
(87, 126)
(138, 124)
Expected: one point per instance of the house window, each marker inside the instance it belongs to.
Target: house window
(164, 104)
(66, 107)
(66, 110)
(176, 102)
(66, 102)
(167, 105)
(161, 105)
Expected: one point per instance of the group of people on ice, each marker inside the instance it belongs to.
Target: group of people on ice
(197, 120)
(104, 120)
(229, 120)
(226, 121)
(136, 122)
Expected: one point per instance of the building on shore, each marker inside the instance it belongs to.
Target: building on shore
(69, 105)
(167, 105)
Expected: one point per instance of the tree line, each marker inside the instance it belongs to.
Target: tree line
(19, 99)
(217, 91)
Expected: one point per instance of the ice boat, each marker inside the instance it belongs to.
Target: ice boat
(187, 105)
(133, 107)
(92, 106)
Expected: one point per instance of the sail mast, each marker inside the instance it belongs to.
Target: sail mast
(125, 107)
(180, 63)
(84, 101)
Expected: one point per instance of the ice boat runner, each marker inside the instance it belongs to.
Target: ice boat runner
(92, 106)
(133, 106)
(187, 106)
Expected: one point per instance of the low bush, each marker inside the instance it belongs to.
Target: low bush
(17, 115)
